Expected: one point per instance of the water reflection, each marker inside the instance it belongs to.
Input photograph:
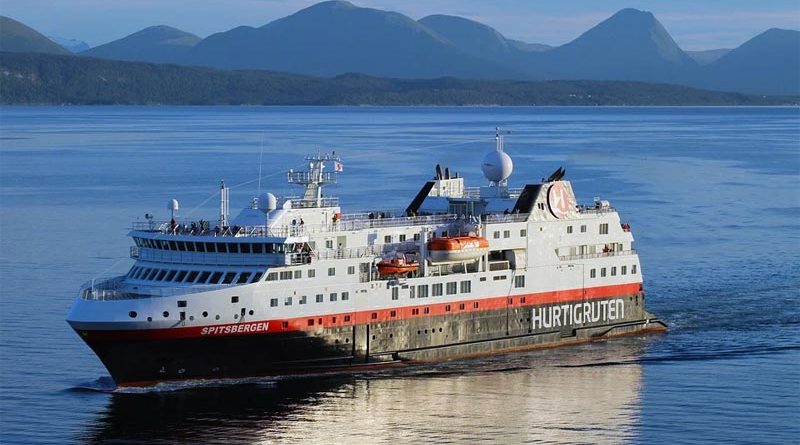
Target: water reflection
(539, 397)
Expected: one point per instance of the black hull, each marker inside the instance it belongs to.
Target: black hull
(144, 362)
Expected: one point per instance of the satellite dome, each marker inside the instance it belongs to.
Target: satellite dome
(497, 166)
(173, 205)
(267, 202)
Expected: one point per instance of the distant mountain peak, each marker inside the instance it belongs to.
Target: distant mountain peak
(18, 37)
(159, 43)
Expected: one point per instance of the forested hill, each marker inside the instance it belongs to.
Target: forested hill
(27, 78)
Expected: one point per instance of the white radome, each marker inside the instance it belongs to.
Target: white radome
(173, 205)
(267, 202)
(497, 166)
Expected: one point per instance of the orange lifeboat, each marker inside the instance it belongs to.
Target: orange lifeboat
(457, 248)
(397, 266)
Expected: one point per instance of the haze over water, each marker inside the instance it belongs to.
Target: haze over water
(712, 195)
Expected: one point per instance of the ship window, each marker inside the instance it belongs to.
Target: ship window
(173, 245)
(258, 248)
(426, 310)
(285, 324)
(331, 271)
(415, 311)
(523, 233)
(633, 269)
(302, 300)
(483, 278)
(522, 300)
(286, 275)
(170, 275)
(392, 314)
(222, 248)
(624, 270)
(395, 293)
(475, 305)
(269, 248)
(272, 276)
(165, 314)
(387, 239)
(201, 247)
(298, 274)
(233, 248)
(257, 277)
(211, 247)
(287, 301)
(180, 276)
(519, 281)
(436, 290)
(602, 271)
(411, 291)
(244, 248)
(346, 318)
(151, 274)
(133, 272)
(243, 277)
(422, 291)
(132, 314)
(466, 287)
(613, 271)
(312, 273)
(190, 277)
(496, 235)
(351, 270)
(416, 237)
(311, 322)
(273, 302)
(203, 277)
(137, 241)
(506, 234)
(452, 288)
(593, 273)
(461, 307)
(333, 296)
(402, 238)
(190, 246)
(604, 229)
(214, 277)
(583, 228)
(320, 298)
(345, 296)
(228, 278)
(374, 317)
(447, 308)
(329, 244)
(205, 314)
(500, 277)
(569, 229)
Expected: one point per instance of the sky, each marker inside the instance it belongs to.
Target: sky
(694, 24)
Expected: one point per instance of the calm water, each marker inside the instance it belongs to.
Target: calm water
(713, 196)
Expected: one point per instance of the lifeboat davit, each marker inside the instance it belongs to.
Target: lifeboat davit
(456, 249)
(397, 266)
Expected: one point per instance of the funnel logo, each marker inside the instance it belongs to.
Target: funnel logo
(558, 200)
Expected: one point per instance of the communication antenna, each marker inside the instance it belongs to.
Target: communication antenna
(260, 164)
(223, 204)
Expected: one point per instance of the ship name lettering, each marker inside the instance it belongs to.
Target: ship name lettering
(235, 329)
(578, 313)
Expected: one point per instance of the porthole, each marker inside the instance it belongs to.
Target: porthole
(217, 317)
(440, 329)
(391, 335)
(426, 331)
(251, 312)
(132, 314)
(373, 337)
(191, 318)
(165, 314)
(235, 316)
(149, 318)
(347, 340)
(205, 314)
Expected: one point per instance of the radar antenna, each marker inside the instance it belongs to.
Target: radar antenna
(315, 178)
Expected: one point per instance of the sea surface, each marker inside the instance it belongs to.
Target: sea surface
(712, 195)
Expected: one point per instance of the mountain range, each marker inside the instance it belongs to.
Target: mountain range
(337, 37)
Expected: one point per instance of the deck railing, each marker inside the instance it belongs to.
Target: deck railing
(587, 256)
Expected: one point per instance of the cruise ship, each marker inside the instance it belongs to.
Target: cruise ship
(295, 285)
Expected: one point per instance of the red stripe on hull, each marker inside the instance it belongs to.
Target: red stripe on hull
(365, 317)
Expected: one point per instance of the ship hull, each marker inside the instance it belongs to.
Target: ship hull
(140, 358)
